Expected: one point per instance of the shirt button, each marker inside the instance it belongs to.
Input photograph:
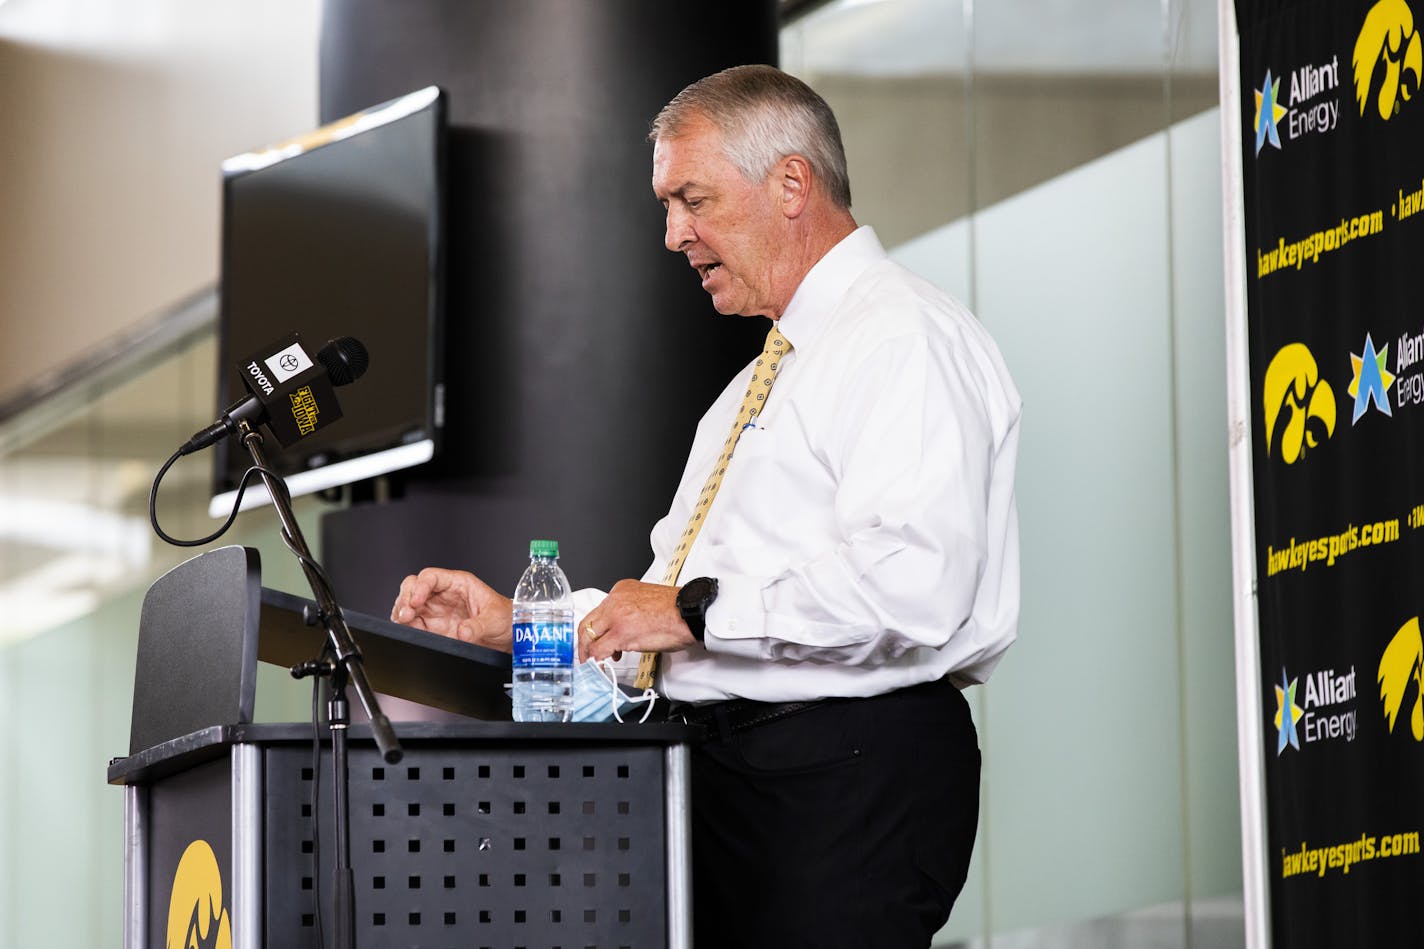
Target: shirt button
(732, 625)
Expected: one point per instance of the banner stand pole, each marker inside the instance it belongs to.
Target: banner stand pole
(1250, 761)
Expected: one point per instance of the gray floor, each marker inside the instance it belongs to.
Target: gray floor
(1214, 924)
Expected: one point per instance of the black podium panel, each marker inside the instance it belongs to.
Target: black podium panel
(471, 845)
(190, 840)
(484, 835)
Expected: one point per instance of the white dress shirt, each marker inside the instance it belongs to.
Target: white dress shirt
(865, 536)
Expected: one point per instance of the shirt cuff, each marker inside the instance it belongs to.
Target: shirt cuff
(736, 620)
(745, 622)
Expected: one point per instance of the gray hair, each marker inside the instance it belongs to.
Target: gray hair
(763, 115)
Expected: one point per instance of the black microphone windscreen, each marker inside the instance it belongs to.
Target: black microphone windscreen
(345, 360)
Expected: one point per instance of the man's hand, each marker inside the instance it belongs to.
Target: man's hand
(636, 616)
(457, 605)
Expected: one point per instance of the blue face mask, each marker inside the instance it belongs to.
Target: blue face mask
(599, 698)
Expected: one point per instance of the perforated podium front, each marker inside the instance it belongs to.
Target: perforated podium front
(484, 835)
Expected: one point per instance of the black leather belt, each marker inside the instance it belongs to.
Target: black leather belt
(735, 715)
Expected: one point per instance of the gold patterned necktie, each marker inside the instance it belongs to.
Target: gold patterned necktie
(763, 374)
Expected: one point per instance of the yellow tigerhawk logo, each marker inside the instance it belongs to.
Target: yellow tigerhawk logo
(1387, 39)
(1400, 665)
(1299, 404)
(197, 918)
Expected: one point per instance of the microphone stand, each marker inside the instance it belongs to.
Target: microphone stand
(345, 665)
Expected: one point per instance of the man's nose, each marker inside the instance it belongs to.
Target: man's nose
(679, 230)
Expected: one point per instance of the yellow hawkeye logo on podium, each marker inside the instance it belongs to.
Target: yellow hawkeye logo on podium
(197, 918)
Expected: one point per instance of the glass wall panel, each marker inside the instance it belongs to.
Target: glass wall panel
(895, 74)
(1084, 762)
(76, 556)
(1193, 84)
(1055, 166)
(1214, 831)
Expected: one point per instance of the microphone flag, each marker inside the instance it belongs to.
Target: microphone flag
(295, 391)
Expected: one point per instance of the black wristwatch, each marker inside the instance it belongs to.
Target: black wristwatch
(692, 602)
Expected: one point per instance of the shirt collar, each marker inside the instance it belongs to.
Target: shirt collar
(824, 285)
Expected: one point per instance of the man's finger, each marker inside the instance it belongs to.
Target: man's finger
(402, 602)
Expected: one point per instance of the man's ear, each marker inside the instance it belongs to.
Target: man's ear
(794, 178)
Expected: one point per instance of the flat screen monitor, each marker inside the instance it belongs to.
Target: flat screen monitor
(339, 232)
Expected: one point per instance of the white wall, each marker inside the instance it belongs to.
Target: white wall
(114, 119)
(1108, 730)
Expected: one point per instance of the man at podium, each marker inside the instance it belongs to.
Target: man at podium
(840, 557)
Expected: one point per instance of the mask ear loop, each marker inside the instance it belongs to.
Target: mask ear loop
(609, 671)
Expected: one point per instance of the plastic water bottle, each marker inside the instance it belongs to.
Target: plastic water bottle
(543, 638)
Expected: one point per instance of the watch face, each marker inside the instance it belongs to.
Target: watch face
(692, 602)
(697, 594)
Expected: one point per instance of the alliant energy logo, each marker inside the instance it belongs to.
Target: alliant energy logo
(1388, 62)
(1371, 380)
(1287, 715)
(1328, 713)
(1310, 106)
(1399, 668)
(1409, 369)
(1269, 113)
(1299, 405)
(197, 918)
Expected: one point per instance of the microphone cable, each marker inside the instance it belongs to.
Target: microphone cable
(247, 476)
(255, 470)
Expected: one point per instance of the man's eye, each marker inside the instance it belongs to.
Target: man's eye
(694, 203)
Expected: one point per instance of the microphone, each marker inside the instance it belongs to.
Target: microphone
(288, 392)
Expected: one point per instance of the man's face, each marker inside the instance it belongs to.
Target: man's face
(729, 228)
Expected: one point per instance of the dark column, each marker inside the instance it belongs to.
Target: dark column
(580, 353)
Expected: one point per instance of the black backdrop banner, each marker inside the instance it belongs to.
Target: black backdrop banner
(1332, 115)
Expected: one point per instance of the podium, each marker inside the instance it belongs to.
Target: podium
(487, 833)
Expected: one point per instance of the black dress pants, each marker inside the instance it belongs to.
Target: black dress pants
(849, 824)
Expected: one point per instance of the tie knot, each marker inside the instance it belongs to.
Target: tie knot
(776, 344)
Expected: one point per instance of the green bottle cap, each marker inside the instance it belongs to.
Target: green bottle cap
(543, 548)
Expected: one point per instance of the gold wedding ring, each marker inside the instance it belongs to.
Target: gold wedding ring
(592, 633)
